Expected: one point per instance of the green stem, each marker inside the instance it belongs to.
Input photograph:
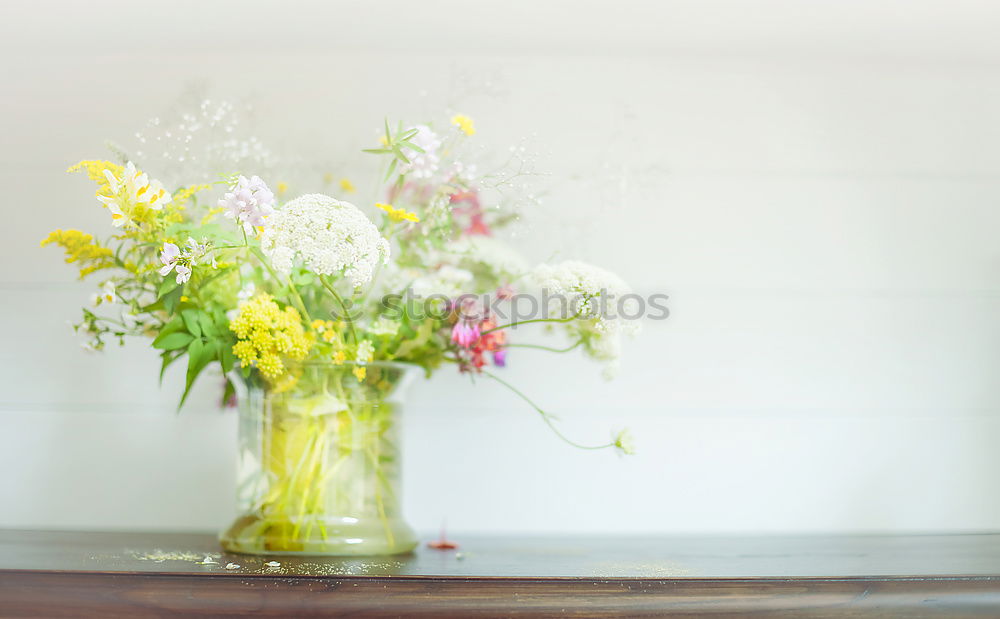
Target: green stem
(546, 417)
(343, 305)
(525, 322)
(296, 298)
(548, 348)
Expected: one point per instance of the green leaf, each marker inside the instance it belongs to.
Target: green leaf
(167, 285)
(226, 357)
(199, 355)
(422, 336)
(208, 327)
(229, 392)
(392, 168)
(411, 146)
(168, 358)
(400, 155)
(377, 151)
(173, 326)
(172, 299)
(173, 341)
(191, 321)
(303, 279)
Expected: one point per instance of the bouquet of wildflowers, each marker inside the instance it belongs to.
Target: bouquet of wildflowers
(312, 308)
(227, 273)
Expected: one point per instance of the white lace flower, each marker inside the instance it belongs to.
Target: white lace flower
(601, 300)
(249, 202)
(425, 164)
(330, 236)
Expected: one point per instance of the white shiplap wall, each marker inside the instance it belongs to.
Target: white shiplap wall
(818, 193)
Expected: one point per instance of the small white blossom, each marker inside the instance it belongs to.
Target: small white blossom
(173, 260)
(624, 443)
(330, 236)
(182, 262)
(232, 566)
(130, 320)
(249, 202)
(106, 294)
(384, 326)
(366, 352)
(272, 564)
(246, 292)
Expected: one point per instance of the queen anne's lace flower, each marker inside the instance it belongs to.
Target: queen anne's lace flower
(601, 302)
(330, 236)
(249, 202)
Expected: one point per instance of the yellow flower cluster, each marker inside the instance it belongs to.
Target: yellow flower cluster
(81, 247)
(398, 214)
(267, 334)
(464, 123)
(95, 171)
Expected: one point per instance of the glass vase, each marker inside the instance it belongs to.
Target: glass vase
(319, 462)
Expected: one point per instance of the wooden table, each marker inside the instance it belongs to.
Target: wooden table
(77, 574)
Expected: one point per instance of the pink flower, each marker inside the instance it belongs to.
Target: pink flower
(500, 358)
(465, 333)
(249, 202)
(505, 292)
(467, 203)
